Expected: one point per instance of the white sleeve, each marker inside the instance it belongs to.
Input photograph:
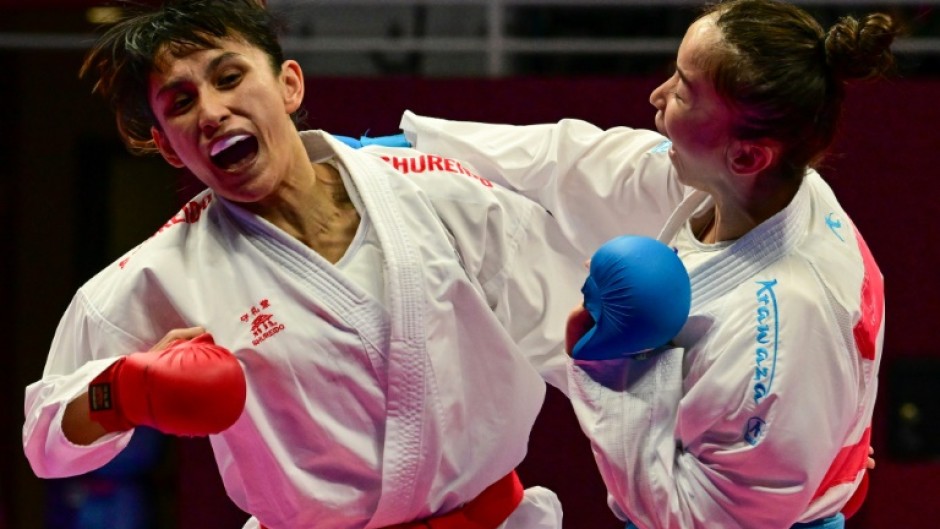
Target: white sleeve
(627, 408)
(74, 361)
(597, 183)
(536, 287)
(703, 451)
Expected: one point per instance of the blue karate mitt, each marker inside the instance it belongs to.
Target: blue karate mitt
(638, 294)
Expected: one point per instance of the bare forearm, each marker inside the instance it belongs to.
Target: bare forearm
(77, 424)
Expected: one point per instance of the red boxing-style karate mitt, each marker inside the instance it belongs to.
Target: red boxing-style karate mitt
(191, 388)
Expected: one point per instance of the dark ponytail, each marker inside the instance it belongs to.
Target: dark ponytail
(784, 75)
(861, 49)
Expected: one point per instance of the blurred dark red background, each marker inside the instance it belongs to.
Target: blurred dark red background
(65, 203)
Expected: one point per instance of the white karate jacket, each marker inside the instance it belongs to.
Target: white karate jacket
(759, 417)
(361, 412)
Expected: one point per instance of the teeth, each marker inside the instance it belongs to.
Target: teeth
(226, 143)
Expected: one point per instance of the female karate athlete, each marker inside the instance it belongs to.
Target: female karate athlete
(390, 316)
(759, 416)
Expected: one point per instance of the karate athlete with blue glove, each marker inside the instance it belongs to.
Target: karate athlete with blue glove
(758, 416)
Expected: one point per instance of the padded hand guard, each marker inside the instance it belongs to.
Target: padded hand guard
(638, 294)
(192, 388)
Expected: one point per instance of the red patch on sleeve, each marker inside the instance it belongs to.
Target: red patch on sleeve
(873, 302)
(850, 461)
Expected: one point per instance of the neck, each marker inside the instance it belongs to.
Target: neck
(737, 214)
(316, 210)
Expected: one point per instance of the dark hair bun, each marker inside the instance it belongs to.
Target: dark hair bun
(861, 49)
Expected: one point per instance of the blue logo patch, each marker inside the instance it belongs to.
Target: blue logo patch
(834, 222)
(755, 430)
(662, 147)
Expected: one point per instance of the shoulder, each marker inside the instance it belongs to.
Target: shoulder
(453, 188)
(825, 262)
(438, 175)
(835, 249)
(821, 287)
(162, 253)
(484, 220)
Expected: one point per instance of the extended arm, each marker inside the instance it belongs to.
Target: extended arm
(598, 184)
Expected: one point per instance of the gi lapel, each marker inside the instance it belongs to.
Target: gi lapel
(746, 257)
(405, 483)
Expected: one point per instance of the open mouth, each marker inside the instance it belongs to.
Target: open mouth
(234, 152)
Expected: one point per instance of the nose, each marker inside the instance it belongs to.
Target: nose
(658, 96)
(213, 111)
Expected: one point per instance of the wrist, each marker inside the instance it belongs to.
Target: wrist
(104, 405)
(77, 425)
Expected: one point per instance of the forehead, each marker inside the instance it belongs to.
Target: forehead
(173, 55)
(178, 65)
(701, 40)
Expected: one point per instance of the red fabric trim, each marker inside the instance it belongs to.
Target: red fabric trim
(873, 302)
(846, 466)
(857, 499)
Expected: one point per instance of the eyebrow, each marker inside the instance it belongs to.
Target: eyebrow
(685, 80)
(213, 65)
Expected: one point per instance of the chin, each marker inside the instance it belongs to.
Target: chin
(241, 195)
(682, 175)
(682, 172)
(676, 163)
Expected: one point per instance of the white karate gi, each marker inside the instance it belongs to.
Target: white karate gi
(759, 417)
(383, 389)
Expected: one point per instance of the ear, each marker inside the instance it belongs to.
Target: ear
(292, 81)
(751, 157)
(166, 150)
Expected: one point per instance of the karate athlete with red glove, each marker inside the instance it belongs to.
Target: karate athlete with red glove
(396, 315)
